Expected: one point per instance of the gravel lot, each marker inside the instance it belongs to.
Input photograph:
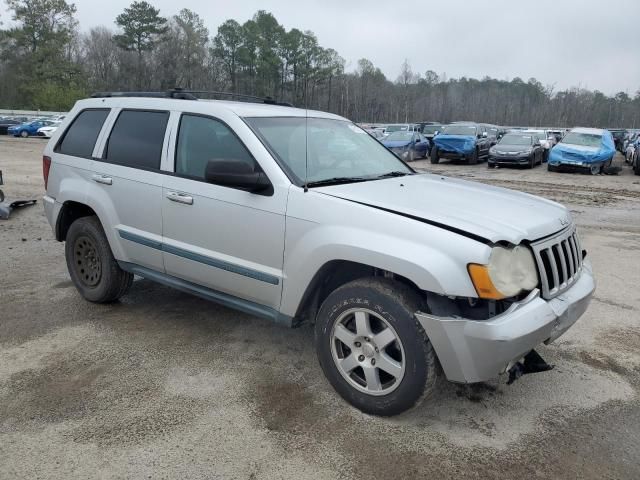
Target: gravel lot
(165, 385)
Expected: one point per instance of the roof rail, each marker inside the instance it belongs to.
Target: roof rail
(180, 93)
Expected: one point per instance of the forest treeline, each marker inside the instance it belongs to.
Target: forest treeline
(47, 62)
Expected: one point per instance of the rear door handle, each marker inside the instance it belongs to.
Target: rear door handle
(180, 198)
(102, 179)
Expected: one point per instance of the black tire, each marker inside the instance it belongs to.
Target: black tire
(92, 267)
(435, 157)
(595, 169)
(491, 165)
(395, 303)
(551, 168)
(473, 158)
(24, 134)
(1, 196)
(532, 161)
(412, 155)
(636, 165)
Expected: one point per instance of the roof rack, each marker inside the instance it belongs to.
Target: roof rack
(182, 94)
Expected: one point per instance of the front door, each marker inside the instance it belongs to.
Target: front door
(226, 239)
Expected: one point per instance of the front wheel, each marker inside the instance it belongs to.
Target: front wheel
(473, 158)
(434, 157)
(595, 169)
(92, 267)
(371, 347)
(24, 134)
(412, 155)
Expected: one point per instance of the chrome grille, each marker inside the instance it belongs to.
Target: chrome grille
(559, 261)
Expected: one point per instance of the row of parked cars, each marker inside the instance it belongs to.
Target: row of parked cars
(588, 150)
(21, 126)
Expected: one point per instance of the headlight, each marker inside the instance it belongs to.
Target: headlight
(509, 272)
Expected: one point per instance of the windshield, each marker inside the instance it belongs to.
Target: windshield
(397, 128)
(399, 137)
(583, 139)
(512, 139)
(430, 129)
(334, 149)
(459, 130)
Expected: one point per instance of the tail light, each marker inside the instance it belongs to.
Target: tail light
(46, 166)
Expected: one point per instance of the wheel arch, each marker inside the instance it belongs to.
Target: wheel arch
(335, 273)
(70, 211)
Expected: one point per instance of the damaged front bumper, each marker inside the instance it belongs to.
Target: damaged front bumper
(478, 350)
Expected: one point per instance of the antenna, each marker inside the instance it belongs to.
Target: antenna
(306, 146)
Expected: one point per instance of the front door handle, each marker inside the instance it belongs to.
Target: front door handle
(180, 198)
(102, 179)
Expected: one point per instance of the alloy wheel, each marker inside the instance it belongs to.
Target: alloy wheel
(367, 351)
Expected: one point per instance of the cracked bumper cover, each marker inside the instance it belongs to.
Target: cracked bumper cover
(478, 350)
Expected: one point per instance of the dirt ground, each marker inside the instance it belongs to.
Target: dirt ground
(165, 385)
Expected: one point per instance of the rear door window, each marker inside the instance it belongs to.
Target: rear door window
(136, 139)
(80, 138)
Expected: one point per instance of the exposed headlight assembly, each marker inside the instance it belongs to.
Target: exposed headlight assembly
(509, 272)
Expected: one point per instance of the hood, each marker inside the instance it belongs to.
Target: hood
(455, 143)
(480, 211)
(505, 147)
(396, 143)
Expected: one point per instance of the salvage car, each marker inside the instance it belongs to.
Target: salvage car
(584, 150)
(521, 149)
(405, 275)
(25, 130)
(6, 123)
(407, 145)
(431, 130)
(48, 130)
(461, 141)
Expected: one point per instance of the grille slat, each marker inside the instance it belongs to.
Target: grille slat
(559, 261)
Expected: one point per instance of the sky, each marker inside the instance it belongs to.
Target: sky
(564, 43)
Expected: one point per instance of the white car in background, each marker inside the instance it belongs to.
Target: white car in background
(48, 130)
(547, 141)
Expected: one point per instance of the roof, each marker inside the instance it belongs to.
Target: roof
(589, 131)
(242, 109)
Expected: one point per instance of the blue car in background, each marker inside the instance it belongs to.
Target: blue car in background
(584, 150)
(27, 129)
(407, 145)
(462, 141)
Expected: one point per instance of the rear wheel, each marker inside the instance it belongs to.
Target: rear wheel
(92, 267)
(372, 349)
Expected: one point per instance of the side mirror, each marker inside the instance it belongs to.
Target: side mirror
(436, 133)
(237, 174)
(484, 134)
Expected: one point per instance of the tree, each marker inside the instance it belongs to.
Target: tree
(35, 52)
(142, 26)
(227, 44)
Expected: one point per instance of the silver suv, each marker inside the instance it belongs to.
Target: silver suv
(297, 215)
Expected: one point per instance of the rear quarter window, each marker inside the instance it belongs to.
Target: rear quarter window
(136, 139)
(80, 138)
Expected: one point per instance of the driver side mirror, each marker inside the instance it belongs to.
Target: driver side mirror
(237, 174)
(484, 134)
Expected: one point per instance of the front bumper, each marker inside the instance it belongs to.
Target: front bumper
(509, 160)
(478, 350)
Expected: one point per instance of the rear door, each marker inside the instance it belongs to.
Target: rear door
(127, 184)
(226, 239)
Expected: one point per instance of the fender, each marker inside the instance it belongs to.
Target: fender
(433, 258)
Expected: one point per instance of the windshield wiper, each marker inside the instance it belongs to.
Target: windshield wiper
(394, 174)
(337, 181)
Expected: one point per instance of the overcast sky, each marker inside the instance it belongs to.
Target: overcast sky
(592, 44)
